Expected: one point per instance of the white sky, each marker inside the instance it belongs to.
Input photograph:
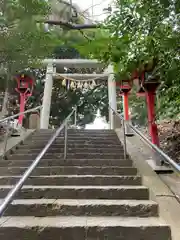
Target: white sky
(99, 5)
(99, 123)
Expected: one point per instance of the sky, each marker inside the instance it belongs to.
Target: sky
(99, 5)
(99, 123)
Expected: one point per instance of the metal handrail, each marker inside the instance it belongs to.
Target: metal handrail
(8, 130)
(153, 146)
(157, 149)
(18, 114)
(9, 198)
(124, 132)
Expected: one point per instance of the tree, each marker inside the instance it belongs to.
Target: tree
(23, 42)
(88, 101)
(139, 31)
(64, 100)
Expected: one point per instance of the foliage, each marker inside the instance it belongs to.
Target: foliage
(63, 101)
(88, 101)
(135, 33)
(23, 42)
(138, 109)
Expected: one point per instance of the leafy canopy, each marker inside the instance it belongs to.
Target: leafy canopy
(135, 33)
(23, 42)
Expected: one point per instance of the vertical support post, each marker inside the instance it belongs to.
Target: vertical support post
(65, 140)
(126, 106)
(157, 161)
(46, 106)
(153, 130)
(22, 107)
(109, 100)
(75, 116)
(111, 95)
(124, 136)
(128, 130)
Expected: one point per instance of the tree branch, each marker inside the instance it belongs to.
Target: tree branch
(72, 26)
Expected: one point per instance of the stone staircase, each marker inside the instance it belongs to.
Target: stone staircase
(93, 195)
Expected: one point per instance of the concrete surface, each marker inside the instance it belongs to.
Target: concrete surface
(138, 219)
(81, 192)
(168, 205)
(81, 221)
(81, 228)
(4, 171)
(13, 141)
(80, 207)
(69, 162)
(173, 181)
(73, 180)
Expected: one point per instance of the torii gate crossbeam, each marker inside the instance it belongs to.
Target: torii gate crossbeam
(53, 64)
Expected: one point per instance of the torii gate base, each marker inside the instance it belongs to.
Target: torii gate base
(159, 169)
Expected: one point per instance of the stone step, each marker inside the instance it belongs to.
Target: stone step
(95, 155)
(81, 228)
(78, 132)
(75, 136)
(72, 138)
(74, 155)
(82, 207)
(77, 141)
(91, 130)
(78, 170)
(72, 150)
(78, 136)
(83, 180)
(71, 133)
(80, 192)
(69, 145)
(68, 162)
(36, 147)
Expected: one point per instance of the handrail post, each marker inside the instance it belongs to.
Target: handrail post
(75, 116)
(157, 149)
(124, 138)
(65, 140)
(6, 140)
(148, 142)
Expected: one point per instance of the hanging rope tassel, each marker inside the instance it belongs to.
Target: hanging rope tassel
(94, 83)
(79, 85)
(86, 85)
(72, 85)
(64, 82)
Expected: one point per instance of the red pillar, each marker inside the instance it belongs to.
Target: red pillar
(153, 130)
(126, 106)
(22, 107)
(128, 130)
